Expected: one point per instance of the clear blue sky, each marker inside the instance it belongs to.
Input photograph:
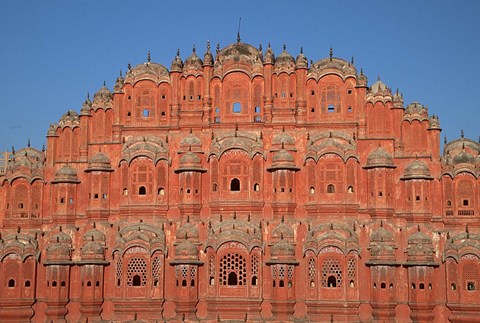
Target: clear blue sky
(53, 52)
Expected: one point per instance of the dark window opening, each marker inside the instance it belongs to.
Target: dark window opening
(349, 91)
(232, 279)
(176, 284)
(136, 281)
(184, 97)
(155, 282)
(453, 286)
(11, 283)
(163, 113)
(421, 286)
(254, 281)
(235, 185)
(281, 283)
(312, 110)
(332, 281)
(256, 187)
(129, 114)
(89, 283)
(163, 97)
(331, 188)
(350, 189)
(95, 196)
(129, 97)
(62, 200)
(54, 283)
(273, 283)
(97, 283)
(118, 282)
(413, 286)
(188, 191)
(142, 190)
(312, 92)
(214, 188)
(380, 193)
(191, 97)
(184, 282)
(470, 286)
(199, 97)
(192, 282)
(27, 283)
(63, 283)
(383, 285)
(417, 198)
(212, 281)
(291, 94)
(465, 202)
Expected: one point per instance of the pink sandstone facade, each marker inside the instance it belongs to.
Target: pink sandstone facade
(242, 187)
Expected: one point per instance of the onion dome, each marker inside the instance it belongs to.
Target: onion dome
(190, 162)
(282, 159)
(149, 70)
(177, 63)
(102, 96)
(59, 247)
(193, 62)
(417, 170)
(434, 123)
(117, 88)
(379, 158)
(191, 142)
(379, 88)
(208, 57)
(301, 61)
(69, 119)
(187, 230)
(66, 174)
(99, 162)
(269, 57)
(284, 61)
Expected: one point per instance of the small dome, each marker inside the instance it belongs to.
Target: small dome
(95, 235)
(193, 62)
(103, 95)
(148, 71)
(333, 63)
(190, 162)
(119, 83)
(282, 159)
(283, 230)
(99, 162)
(379, 158)
(94, 249)
(301, 61)
(66, 174)
(284, 60)
(415, 108)
(378, 87)
(186, 249)
(60, 237)
(269, 56)
(239, 52)
(283, 248)
(434, 123)
(177, 63)
(208, 57)
(70, 118)
(417, 170)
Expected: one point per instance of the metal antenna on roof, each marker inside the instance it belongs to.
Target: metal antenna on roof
(238, 32)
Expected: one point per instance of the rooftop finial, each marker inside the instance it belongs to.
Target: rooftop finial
(238, 32)
(301, 50)
(194, 50)
(149, 58)
(129, 66)
(28, 143)
(462, 135)
(208, 45)
(260, 47)
(331, 52)
(353, 60)
(445, 140)
(178, 52)
(121, 74)
(218, 47)
(284, 47)
(104, 83)
(378, 77)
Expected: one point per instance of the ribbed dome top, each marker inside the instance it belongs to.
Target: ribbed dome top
(417, 170)
(379, 158)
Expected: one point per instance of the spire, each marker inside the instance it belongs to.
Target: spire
(462, 135)
(301, 50)
(260, 47)
(331, 53)
(208, 45)
(284, 47)
(104, 83)
(353, 60)
(28, 143)
(238, 32)
(149, 58)
(178, 52)
(238, 37)
(194, 50)
(218, 47)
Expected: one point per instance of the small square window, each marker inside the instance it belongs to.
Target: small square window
(146, 113)
(465, 202)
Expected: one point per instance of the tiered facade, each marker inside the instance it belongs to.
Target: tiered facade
(247, 187)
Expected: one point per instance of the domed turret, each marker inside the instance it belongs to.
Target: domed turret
(117, 88)
(66, 174)
(59, 247)
(282, 159)
(269, 57)
(301, 61)
(379, 158)
(99, 162)
(102, 96)
(417, 170)
(177, 63)
(208, 57)
(284, 61)
(193, 62)
(190, 162)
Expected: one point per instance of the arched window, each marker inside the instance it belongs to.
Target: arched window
(237, 107)
(136, 281)
(214, 188)
(332, 281)
(161, 191)
(232, 279)
(142, 190)
(256, 187)
(330, 188)
(350, 189)
(11, 283)
(235, 185)
(312, 190)
(125, 191)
